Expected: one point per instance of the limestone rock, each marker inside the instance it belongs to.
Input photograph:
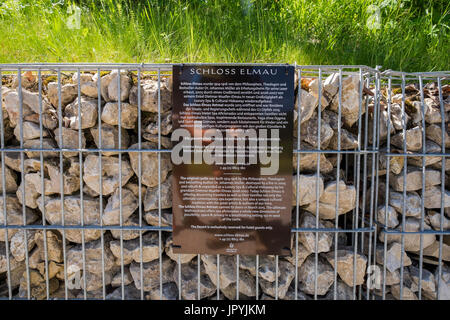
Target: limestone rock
(73, 215)
(88, 111)
(286, 274)
(430, 147)
(110, 139)
(151, 198)
(149, 164)
(151, 274)
(412, 203)
(169, 292)
(189, 282)
(133, 220)
(435, 220)
(17, 245)
(92, 258)
(70, 140)
(309, 132)
(177, 257)
(308, 161)
(132, 250)
(307, 191)
(54, 245)
(38, 285)
(266, 266)
(308, 239)
(434, 133)
(443, 287)
(117, 278)
(432, 197)
(349, 100)
(227, 274)
(166, 125)
(110, 174)
(30, 130)
(428, 282)
(307, 276)
(113, 86)
(14, 215)
(393, 256)
(129, 114)
(414, 179)
(149, 96)
(327, 202)
(307, 105)
(47, 143)
(68, 93)
(391, 219)
(152, 218)
(345, 264)
(413, 139)
(111, 214)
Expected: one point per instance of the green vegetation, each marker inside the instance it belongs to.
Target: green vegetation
(410, 35)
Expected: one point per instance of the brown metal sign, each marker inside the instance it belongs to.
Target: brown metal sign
(232, 158)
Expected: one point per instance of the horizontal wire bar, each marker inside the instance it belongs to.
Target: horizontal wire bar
(81, 150)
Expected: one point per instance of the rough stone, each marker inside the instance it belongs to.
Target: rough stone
(327, 202)
(227, 275)
(152, 218)
(428, 282)
(307, 276)
(430, 147)
(432, 197)
(113, 86)
(70, 140)
(308, 239)
(133, 220)
(434, 133)
(414, 179)
(308, 161)
(177, 257)
(30, 130)
(68, 93)
(88, 111)
(132, 250)
(151, 275)
(349, 100)
(189, 282)
(169, 292)
(110, 139)
(391, 220)
(307, 106)
(73, 215)
(110, 174)
(151, 198)
(345, 264)
(434, 219)
(149, 96)
(393, 256)
(286, 273)
(413, 139)
(117, 278)
(18, 248)
(53, 243)
(14, 215)
(92, 257)
(166, 125)
(129, 114)
(308, 132)
(412, 203)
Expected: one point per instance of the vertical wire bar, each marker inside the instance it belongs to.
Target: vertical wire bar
(276, 277)
(237, 277)
(338, 165)
(179, 276)
(319, 125)
(41, 158)
(198, 276)
(422, 208)
(364, 191)
(218, 277)
(388, 163)
(100, 176)
(405, 165)
(356, 173)
(120, 185)
(159, 185)
(61, 182)
(371, 202)
(443, 164)
(141, 265)
(257, 276)
(80, 155)
(376, 163)
(297, 193)
(24, 216)
(5, 217)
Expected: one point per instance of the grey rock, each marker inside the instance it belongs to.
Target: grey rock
(227, 275)
(113, 86)
(92, 259)
(133, 220)
(412, 203)
(151, 274)
(70, 140)
(434, 133)
(54, 245)
(393, 256)
(308, 161)
(88, 110)
(349, 100)
(47, 143)
(132, 249)
(309, 132)
(10, 180)
(68, 93)
(73, 215)
(432, 197)
(166, 125)
(151, 198)
(189, 282)
(308, 103)
(307, 276)
(177, 257)
(110, 139)
(435, 220)
(111, 214)
(430, 147)
(30, 130)
(149, 96)
(391, 219)
(413, 139)
(152, 217)
(345, 266)
(414, 179)
(149, 164)
(169, 292)
(14, 215)
(308, 239)
(428, 283)
(117, 278)
(110, 174)
(18, 248)
(307, 192)
(327, 202)
(129, 115)
(443, 287)
(286, 274)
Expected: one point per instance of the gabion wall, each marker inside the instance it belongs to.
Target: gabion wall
(86, 189)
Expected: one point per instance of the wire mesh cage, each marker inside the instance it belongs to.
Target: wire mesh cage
(86, 189)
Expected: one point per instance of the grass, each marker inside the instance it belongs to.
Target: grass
(411, 35)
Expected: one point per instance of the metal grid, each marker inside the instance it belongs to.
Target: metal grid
(358, 166)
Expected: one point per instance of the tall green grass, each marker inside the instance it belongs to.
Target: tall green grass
(413, 35)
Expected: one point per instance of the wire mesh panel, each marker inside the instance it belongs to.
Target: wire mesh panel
(86, 189)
